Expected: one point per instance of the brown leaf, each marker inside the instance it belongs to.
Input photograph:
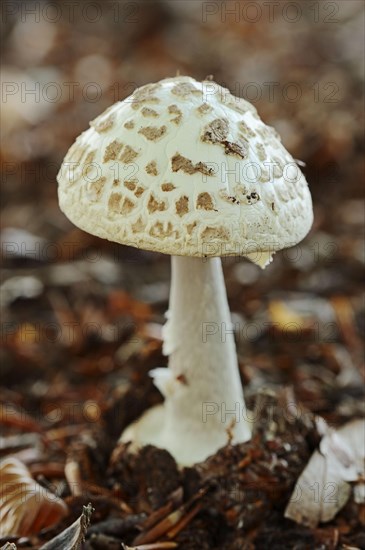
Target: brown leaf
(25, 506)
(72, 537)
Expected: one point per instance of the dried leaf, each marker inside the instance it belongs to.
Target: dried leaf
(341, 456)
(317, 497)
(72, 537)
(25, 506)
(322, 489)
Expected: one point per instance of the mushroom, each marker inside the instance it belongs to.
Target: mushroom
(187, 169)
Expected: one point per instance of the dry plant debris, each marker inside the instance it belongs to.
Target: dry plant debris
(323, 487)
(25, 506)
(72, 537)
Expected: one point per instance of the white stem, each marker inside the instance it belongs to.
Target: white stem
(202, 387)
(203, 394)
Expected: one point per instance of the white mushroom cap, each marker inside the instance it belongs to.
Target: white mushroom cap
(185, 168)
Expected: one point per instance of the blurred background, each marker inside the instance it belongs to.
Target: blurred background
(81, 315)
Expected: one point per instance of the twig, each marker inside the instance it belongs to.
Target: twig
(168, 523)
(73, 477)
(184, 521)
(157, 515)
(154, 546)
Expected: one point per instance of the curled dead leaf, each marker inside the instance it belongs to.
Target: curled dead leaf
(72, 537)
(25, 506)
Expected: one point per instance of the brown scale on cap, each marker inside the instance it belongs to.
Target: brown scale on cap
(240, 192)
(95, 188)
(153, 133)
(128, 155)
(105, 125)
(127, 206)
(154, 205)
(158, 230)
(213, 233)
(238, 105)
(236, 149)
(174, 110)
(179, 162)
(138, 226)
(117, 205)
(139, 191)
(112, 150)
(130, 184)
(204, 202)
(146, 91)
(204, 108)
(253, 198)
(114, 202)
(145, 95)
(138, 104)
(182, 206)
(228, 198)
(184, 89)
(129, 125)
(151, 168)
(242, 126)
(190, 227)
(217, 132)
(148, 112)
(76, 152)
(261, 153)
(168, 187)
(90, 157)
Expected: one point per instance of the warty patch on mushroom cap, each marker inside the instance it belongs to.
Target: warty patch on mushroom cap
(259, 205)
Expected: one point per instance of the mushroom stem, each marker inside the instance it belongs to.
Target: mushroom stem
(202, 387)
(204, 406)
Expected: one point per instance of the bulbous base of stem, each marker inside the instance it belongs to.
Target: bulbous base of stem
(187, 448)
